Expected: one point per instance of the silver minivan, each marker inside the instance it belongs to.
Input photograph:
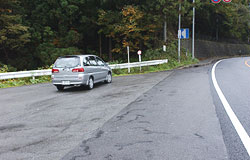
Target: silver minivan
(79, 70)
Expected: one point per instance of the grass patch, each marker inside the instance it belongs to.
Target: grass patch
(172, 64)
(24, 81)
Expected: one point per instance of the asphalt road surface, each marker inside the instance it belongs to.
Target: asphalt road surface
(171, 115)
(38, 122)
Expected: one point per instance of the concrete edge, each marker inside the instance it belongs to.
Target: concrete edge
(210, 61)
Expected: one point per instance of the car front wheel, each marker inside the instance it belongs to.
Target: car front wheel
(108, 78)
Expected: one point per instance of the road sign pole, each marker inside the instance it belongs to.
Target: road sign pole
(140, 61)
(179, 37)
(139, 54)
(193, 29)
(128, 59)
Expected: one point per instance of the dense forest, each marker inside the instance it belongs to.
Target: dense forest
(33, 33)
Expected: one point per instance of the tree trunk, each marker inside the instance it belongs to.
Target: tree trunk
(110, 48)
(6, 54)
(217, 29)
(141, 45)
(100, 45)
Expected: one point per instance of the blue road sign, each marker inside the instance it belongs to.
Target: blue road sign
(183, 33)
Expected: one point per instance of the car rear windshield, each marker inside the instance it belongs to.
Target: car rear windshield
(67, 62)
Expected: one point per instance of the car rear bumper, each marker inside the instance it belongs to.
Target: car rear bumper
(70, 84)
(81, 80)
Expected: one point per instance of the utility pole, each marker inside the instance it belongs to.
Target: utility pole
(165, 29)
(179, 34)
(193, 29)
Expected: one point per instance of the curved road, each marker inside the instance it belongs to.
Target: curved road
(233, 77)
(172, 115)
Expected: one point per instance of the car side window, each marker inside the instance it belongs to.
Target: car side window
(86, 61)
(99, 61)
(92, 61)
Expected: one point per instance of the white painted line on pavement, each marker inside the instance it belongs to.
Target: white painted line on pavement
(235, 121)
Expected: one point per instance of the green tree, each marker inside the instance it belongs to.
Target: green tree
(13, 34)
(39, 31)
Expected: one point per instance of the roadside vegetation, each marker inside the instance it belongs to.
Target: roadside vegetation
(23, 81)
(170, 54)
(20, 81)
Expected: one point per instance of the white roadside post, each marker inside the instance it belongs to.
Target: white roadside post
(128, 60)
(164, 48)
(139, 53)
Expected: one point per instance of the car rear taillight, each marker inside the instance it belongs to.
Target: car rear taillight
(78, 70)
(55, 70)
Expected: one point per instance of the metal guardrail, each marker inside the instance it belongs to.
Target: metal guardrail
(23, 74)
(36, 73)
(138, 64)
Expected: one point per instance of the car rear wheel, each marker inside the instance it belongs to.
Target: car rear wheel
(108, 78)
(60, 88)
(91, 83)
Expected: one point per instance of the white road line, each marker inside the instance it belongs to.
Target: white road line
(235, 121)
